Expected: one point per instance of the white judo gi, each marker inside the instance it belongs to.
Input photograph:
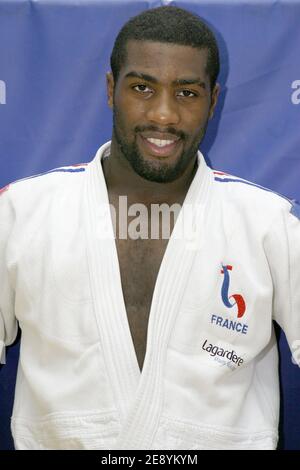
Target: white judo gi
(210, 375)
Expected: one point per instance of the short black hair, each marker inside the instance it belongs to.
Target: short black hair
(167, 24)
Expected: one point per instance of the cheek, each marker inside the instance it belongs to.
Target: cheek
(130, 112)
(195, 127)
(195, 118)
(136, 109)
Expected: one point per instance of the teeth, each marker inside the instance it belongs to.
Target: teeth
(160, 143)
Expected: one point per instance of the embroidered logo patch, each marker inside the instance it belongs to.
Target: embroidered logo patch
(235, 301)
(238, 299)
(225, 356)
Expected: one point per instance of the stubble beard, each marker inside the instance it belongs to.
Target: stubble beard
(159, 172)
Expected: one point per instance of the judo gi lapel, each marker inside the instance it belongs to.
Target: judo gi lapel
(139, 396)
(117, 346)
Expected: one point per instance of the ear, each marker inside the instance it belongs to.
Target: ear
(214, 99)
(110, 89)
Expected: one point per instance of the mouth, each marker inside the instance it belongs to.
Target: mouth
(161, 147)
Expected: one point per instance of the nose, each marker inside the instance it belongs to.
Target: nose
(163, 110)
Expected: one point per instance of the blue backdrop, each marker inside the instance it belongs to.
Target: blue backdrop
(53, 111)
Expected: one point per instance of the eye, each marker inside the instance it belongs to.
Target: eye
(142, 88)
(187, 94)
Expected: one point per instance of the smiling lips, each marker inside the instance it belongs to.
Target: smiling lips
(161, 147)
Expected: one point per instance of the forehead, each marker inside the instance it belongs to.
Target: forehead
(165, 60)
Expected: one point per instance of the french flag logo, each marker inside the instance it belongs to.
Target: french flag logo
(238, 299)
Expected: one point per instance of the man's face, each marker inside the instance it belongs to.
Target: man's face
(161, 106)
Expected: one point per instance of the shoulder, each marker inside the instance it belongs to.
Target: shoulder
(43, 185)
(33, 197)
(251, 198)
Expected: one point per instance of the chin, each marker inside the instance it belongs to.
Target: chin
(160, 173)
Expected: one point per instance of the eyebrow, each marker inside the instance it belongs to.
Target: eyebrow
(180, 81)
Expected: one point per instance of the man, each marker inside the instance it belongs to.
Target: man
(131, 338)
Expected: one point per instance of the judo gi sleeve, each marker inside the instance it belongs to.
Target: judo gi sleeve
(284, 259)
(8, 323)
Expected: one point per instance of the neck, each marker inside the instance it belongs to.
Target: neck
(121, 180)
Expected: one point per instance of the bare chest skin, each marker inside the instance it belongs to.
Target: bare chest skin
(139, 262)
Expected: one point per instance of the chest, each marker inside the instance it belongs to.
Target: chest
(139, 263)
(140, 255)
